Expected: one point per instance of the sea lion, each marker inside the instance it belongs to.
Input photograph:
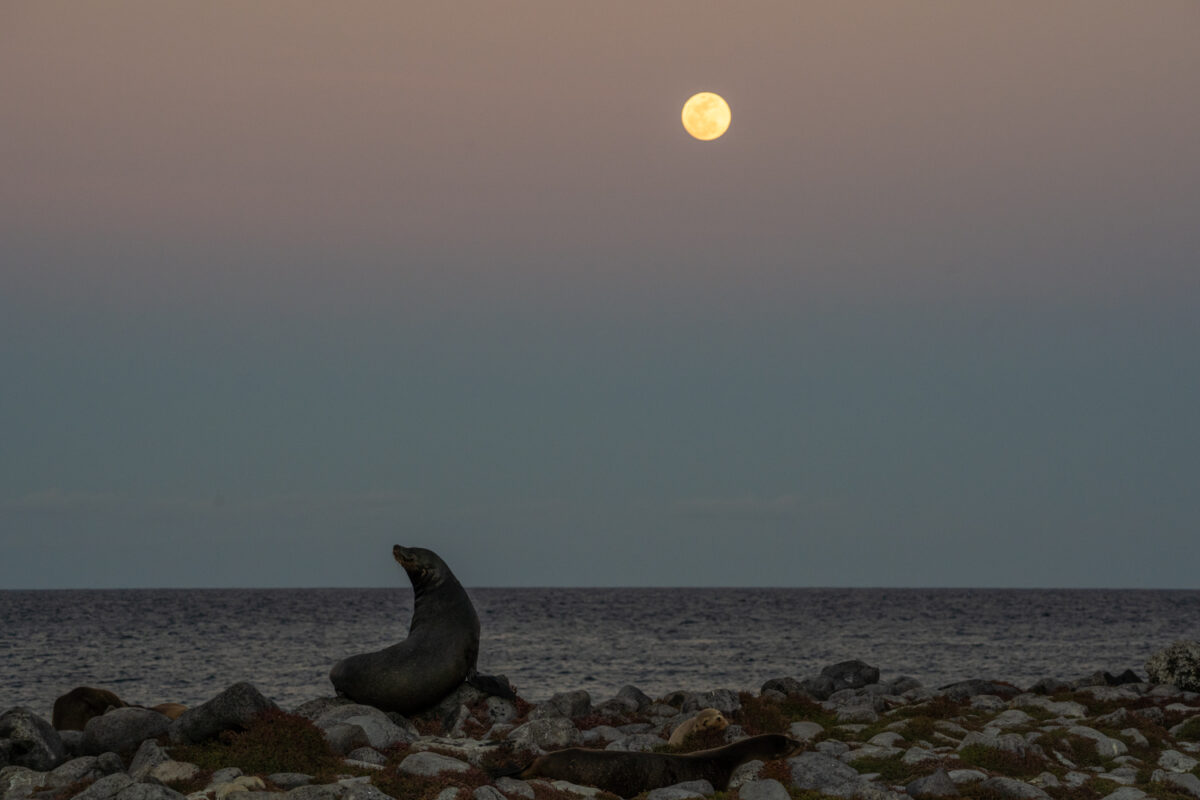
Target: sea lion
(705, 720)
(170, 710)
(438, 655)
(627, 773)
(73, 709)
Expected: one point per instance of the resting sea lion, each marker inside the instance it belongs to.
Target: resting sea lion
(438, 655)
(706, 719)
(170, 710)
(627, 773)
(76, 707)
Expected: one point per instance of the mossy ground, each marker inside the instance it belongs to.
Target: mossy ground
(274, 741)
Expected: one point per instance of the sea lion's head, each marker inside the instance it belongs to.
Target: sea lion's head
(711, 719)
(423, 566)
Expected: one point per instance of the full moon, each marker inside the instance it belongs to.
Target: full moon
(706, 116)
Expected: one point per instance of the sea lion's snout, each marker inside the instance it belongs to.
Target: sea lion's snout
(403, 556)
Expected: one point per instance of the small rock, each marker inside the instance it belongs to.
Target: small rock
(148, 756)
(939, 784)
(107, 787)
(1188, 782)
(289, 780)
(1135, 736)
(631, 692)
(1050, 686)
(1126, 793)
(823, 773)
(724, 700)
(915, 755)
(73, 771)
(1175, 761)
(312, 709)
(242, 783)
(449, 793)
(1012, 718)
(967, 776)
(513, 786)
(805, 731)
(326, 791)
(368, 755)
(429, 764)
(832, 747)
(1106, 746)
(965, 690)
(886, 739)
(110, 763)
(564, 704)
(544, 734)
(487, 793)
(765, 789)
(224, 775)
(852, 674)
(681, 791)
(172, 772)
(745, 773)
(362, 791)
(1011, 787)
(638, 743)
(18, 783)
(148, 791)
(378, 730)
(988, 702)
(501, 710)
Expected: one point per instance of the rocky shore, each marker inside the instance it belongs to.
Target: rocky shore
(1118, 737)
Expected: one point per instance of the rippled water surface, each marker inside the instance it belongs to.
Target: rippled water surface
(152, 646)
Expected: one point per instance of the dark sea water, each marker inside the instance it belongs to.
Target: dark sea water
(152, 646)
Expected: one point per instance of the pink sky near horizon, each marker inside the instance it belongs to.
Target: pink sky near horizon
(921, 148)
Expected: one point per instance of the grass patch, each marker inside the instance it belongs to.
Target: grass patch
(1190, 730)
(890, 768)
(1012, 765)
(940, 707)
(395, 783)
(762, 715)
(274, 741)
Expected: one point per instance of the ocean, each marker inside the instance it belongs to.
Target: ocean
(186, 645)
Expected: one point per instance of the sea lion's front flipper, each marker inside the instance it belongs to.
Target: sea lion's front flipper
(494, 685)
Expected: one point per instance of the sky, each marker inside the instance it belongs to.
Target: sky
(283, 284)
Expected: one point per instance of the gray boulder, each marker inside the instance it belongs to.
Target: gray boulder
(232, 709)
(33, 742)
(544, 734)
(784, 686)
(378, 730)
(18, 783)
(724, 700)
(515, 788)
(633, 693)
(148, 756)
(74, 771)
(853, 674)
(1186, 782)
(1011, 787)
(681, 791)
(122, 730)
(487, 793)
(107, 787)
(936, 785)
(311, 709)
(765, 789)
(824, 774)
(819, 687)
(564, 704)
(1178, 665)
(429, 764)
(965, 690)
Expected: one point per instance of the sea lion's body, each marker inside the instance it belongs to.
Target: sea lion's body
(438, 655)
(708, 719)
(73, 710)
(627, 773)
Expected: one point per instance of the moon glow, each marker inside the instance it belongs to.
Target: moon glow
(706, 116)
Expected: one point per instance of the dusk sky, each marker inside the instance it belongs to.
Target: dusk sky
(283, 284)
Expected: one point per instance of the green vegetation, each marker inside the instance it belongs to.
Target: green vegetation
(273, 742)
(1014, 765)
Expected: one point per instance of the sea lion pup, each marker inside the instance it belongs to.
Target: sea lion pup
(705, 720)
(438, 655)
(73, 709)
(627, 773)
